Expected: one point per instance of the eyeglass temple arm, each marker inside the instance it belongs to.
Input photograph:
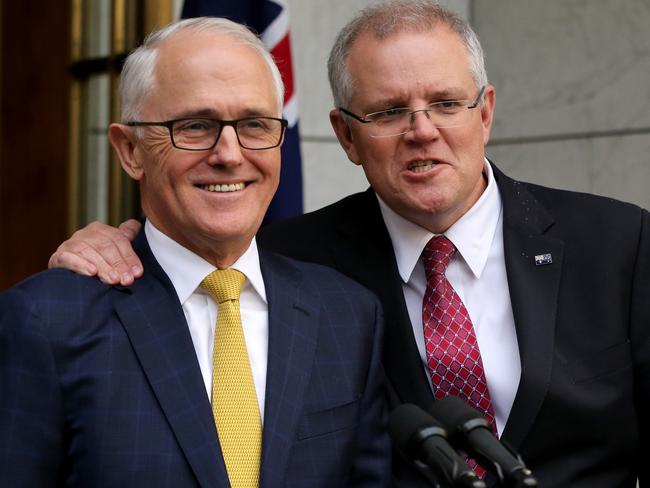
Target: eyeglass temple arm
(354, 116)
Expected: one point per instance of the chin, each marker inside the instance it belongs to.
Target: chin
(428, 203)
(232, 227)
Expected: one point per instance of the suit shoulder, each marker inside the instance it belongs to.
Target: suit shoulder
(58, 283)
(317, 219)
(600, 213)
(51, 297)
(580, 200)
(319, 277)
(566, 203)
(309, 236)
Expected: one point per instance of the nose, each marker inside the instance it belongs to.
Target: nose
(422, 127)
(227, 151)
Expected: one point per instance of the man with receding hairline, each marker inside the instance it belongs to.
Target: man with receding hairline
(226, 365)
(553, 286)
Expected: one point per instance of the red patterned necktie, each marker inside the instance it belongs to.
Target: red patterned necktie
(453, 354)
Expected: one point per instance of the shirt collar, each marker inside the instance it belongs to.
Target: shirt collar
(186, 269)
(472, 234)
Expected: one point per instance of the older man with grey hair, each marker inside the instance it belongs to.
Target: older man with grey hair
(530, 303)
(226, 365)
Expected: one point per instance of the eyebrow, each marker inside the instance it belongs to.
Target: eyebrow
(398, 102)
(208, 113)
(449, 94)
(204, 113)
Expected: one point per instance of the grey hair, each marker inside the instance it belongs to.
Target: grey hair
(392, 17)
(138, 74)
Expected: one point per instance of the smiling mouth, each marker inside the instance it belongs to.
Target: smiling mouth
(225, 188)
(422, 166)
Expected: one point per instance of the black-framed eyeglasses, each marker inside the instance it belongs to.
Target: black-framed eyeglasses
(202, 134)
(398, 121)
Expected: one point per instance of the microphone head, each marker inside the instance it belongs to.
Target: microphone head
(409, 425)
(470, 429)
(457, 416)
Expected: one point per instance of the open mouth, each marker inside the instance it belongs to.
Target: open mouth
(422, 166)
(224, 188)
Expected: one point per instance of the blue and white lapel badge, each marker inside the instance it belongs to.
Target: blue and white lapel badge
(543, 259)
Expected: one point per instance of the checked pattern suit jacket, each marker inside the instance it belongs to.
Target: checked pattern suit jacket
(100, 386)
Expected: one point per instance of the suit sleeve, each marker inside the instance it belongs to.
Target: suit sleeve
(372, 466)
(640, 341)
(31, 413)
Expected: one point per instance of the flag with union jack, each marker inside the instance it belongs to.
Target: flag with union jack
(270, 19)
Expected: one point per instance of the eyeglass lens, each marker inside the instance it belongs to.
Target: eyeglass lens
(399, 121)
(202, 134)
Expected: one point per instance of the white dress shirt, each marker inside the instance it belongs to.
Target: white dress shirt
(186, 270)
(478, 275)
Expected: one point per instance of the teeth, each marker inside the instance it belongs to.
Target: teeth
(422, 166)
(224, 188)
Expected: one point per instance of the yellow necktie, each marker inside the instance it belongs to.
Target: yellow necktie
(234, 401)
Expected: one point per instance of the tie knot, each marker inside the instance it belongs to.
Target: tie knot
(437, 255)
(224, 284)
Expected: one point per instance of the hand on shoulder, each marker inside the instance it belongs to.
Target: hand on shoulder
(103, 251)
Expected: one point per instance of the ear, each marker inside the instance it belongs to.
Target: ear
(124, 140)
(487, 111)
(344, 135)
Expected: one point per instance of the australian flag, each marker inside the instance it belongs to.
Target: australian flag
(270, 19)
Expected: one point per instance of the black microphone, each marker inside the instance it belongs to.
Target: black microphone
(421, 438)
(474, 434)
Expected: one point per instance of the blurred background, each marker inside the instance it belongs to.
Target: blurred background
(573, 105)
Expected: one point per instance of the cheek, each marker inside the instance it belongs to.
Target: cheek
(270, 167)
(379, 156)
(273, 170)
(486, 135)
(468, 146)
(165, 177)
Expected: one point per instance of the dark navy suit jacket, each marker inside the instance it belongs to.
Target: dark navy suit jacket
(100, 385)
(580, 418)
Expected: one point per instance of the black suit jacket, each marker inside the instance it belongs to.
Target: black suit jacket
(582, 323)
(100, 386)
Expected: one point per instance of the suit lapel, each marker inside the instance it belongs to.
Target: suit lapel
(534, 293)
(293, 334)
(365, 253)
(156, 326)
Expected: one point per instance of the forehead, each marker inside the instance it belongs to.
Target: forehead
(409, 64)
(208, 71)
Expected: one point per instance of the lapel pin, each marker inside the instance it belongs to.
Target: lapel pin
(542, 259)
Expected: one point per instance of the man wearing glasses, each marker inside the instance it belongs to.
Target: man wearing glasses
(532, 304)
(225, 366)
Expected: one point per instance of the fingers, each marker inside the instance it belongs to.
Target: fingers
(130, 228)
(71, 261)
(132, 264)
(101, 250)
